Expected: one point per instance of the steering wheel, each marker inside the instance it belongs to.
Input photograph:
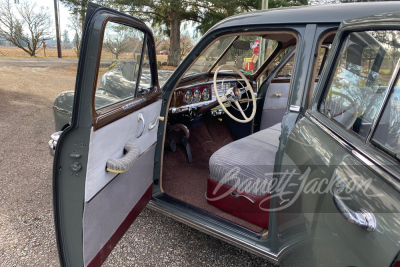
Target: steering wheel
(233, 95)
(340, 110)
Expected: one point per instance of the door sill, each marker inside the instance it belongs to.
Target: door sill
(213, 225)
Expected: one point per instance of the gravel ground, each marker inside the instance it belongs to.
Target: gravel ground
(26, 216)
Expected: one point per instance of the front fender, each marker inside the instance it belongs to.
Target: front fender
(63, 105)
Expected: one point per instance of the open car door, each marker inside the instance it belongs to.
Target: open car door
(103, 165)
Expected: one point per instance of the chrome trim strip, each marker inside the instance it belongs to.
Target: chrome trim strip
(199, 104)
(386, 174)
(133, 103)
(216, 233)
(385, 99)
(62, 110)
(368, 161)
(294, 108)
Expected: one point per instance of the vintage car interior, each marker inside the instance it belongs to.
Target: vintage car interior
(241, 111)
(210, 139)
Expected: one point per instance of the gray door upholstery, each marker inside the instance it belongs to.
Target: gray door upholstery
(274, 104)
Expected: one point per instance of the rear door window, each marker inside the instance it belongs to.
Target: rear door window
(365, 65)
(387, 133)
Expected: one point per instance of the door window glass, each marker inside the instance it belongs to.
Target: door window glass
(363, 70)
(387, 133)
(287, 70)
(145, 77)
(119, 68)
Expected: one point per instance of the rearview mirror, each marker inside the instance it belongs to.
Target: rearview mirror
(243, 45)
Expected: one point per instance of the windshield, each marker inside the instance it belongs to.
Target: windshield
(247, 53)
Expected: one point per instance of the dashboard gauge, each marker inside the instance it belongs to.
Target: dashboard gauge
(188, 97)
(206, 94)
(196, 96)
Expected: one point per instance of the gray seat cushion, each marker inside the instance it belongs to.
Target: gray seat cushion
(248, 163)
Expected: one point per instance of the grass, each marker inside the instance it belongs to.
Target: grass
(50, 52)
(6, 51)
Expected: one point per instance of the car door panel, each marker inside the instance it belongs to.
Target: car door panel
(115, 207)
(108, 143)
(275, 104)
(326, 159)
(94, 207)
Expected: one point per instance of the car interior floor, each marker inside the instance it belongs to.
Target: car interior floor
(188, 181)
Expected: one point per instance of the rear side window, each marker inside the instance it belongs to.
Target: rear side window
(387, 133)
(364, 67)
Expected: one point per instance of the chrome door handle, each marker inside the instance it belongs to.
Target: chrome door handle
(141, 118)
(152, 125)
(363, 217)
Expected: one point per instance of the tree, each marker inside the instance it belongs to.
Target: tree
(286, 3)
(186, 44)
(168, 15)
(221, 9)
(26, 26)
(75, 26)
(78, 10)
(66, 41)
(117, 45)
(119, 39)
(160, 41)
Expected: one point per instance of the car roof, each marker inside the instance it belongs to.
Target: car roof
(331, 13)
(387, 17)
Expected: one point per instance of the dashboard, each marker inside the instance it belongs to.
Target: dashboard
(195, 96)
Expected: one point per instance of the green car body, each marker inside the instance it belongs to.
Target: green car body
(312, 230)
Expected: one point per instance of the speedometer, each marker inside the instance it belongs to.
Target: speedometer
(188, 97)
(196, 96)
(206, 94)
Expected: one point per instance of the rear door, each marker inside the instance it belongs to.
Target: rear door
(338, 201)
(103, 166)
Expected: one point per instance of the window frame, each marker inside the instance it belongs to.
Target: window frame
(385, 166)
(115, 111)
(394, 79)
(100, 110)
(330, 74)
